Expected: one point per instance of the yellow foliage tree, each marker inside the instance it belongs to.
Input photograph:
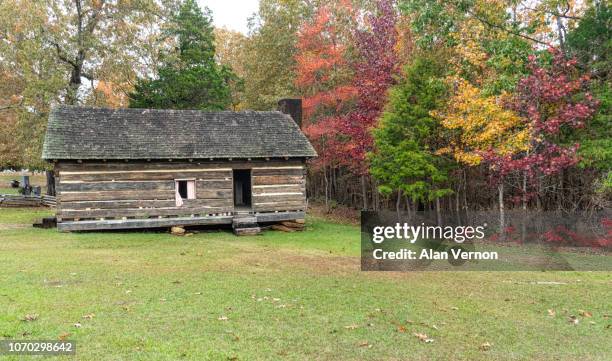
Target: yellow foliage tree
(479, 123)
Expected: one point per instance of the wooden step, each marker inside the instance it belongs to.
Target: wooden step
(249, 231)
(244, 221)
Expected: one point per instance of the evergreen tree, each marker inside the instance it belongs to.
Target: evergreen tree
(407, 137)
(190, 78)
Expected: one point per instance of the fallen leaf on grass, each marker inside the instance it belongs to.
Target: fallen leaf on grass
(423, 337)
(364, 343)
(62, 336)
(551, 313)
(77, 325)
(584, 313)
(30, 317)
(236, 337)
(351, 327)
(223, 318)
(401, 329)
(485, 346)
(454, 308)
(89, 316)
(573, 320)
(198, 293)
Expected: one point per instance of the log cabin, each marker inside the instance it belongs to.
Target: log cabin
(147, 168)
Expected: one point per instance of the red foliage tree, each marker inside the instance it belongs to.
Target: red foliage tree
(324, 76)
(552, 100)
(375, 71)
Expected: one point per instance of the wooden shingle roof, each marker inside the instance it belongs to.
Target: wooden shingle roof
(99, 133)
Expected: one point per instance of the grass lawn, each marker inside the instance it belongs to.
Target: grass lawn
(297, 296)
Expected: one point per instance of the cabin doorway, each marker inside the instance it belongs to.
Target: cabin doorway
(242, 188)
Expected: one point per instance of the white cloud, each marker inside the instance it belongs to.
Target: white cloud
(232, 14)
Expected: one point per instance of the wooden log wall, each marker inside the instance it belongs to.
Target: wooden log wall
(94, 190)
(279, 188)
(140, 189)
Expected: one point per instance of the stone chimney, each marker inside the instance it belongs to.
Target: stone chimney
(293, 107)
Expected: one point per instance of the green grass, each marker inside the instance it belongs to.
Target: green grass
(286, 296)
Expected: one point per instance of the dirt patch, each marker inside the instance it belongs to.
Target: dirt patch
(5, 227)
(283, 260)
(338, 213)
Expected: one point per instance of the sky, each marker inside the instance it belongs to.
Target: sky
(232, 14)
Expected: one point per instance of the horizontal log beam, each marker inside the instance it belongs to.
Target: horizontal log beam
(142, 212)
(279, 216)
(144, 176)
(142, 223)
(278, 171)
(116, 186)
(114, 204)
(271, 180)
(115, 195)
(281, 188)
(153, 165)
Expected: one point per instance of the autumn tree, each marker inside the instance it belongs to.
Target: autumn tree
(375, 69)
(52, 48)
(230, 52)
(323, 72)
(482, 130)
(324, 78)
(269, 57)
(553, 100)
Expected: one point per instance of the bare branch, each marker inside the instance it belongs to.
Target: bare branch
(61, 54)
(554, 13)
(503, 28)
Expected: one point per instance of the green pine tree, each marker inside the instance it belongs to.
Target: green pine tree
(190, 78)
(407, 136)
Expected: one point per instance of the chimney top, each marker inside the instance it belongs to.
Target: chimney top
(292, 107)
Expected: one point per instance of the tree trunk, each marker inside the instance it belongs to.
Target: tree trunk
(524, 215)
(438, 213)
(408, 208)
(398, 203)
(364, 193)
(502, 215)
(326, 189)
(465, 202)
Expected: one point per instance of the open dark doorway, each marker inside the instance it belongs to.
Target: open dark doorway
(242, 188)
